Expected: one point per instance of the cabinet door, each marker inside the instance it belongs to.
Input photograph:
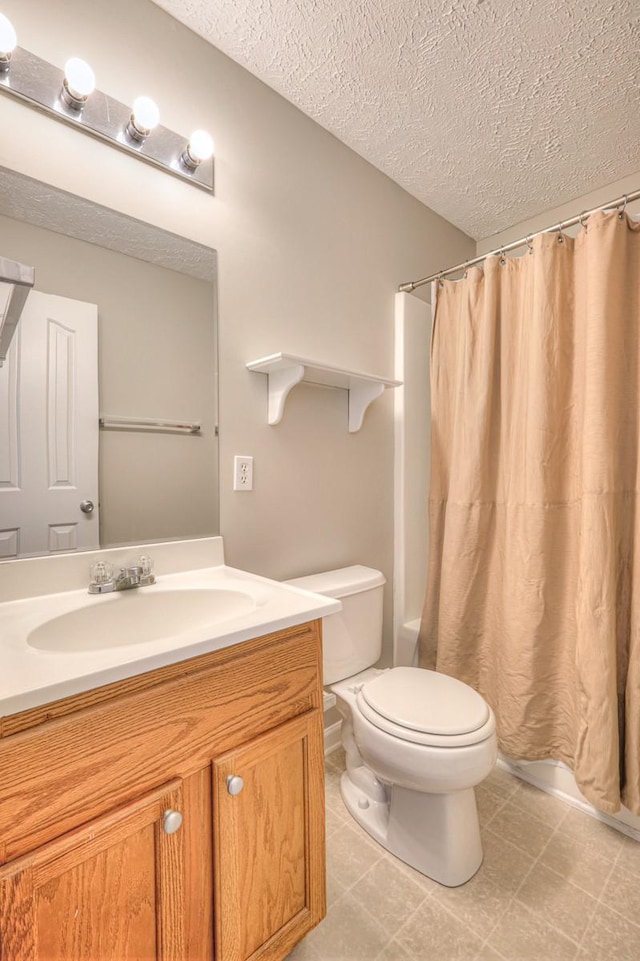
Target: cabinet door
(109, 891)
(269, 854)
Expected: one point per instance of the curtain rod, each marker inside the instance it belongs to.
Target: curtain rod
(624, 200)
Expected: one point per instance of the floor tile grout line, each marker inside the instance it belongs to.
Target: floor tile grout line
(504, 801)
(538, 860)
(550, 924)
(410, 918)
(513, 898)
(571, 883)
(451, 915)
(599, 899)
(495, 926)
(340, 898)
(485, 944)
(405, 922)
(543, 822)
(358, 879)
(609, 907)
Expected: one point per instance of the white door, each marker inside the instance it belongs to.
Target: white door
(49, 429)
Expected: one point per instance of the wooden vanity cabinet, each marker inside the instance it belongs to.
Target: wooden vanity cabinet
(113, 889)
(95, 864)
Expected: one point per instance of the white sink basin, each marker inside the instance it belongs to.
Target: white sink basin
(138, 616)
(63, 640)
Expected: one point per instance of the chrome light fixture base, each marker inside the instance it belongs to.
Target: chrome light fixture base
(70, 99)
(39, 84)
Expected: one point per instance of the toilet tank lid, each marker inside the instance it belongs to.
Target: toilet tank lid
(341, 582)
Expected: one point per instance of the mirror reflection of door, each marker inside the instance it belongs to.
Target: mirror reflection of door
(49, 430)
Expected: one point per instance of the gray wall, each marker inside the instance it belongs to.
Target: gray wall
(156, 347)
(312, 244)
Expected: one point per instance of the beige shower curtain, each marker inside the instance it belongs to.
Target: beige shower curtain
(533, 593)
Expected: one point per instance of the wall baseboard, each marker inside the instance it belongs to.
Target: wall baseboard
(567, 790)
(332, 739)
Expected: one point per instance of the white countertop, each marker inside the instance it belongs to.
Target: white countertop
(30, 677)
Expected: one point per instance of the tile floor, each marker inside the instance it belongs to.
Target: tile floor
(555, 885)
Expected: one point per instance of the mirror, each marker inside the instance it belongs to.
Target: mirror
(154, 362)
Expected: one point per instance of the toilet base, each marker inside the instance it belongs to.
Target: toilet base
(437, 834)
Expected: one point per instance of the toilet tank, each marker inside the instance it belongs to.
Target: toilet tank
(352, 639)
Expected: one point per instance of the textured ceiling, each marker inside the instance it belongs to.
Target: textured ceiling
(488, 111)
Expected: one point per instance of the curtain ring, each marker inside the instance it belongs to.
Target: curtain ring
(440, 280)
(624, 207)
(583, 219)
(528, 243)
(503, 259)
(560, 237)
(466, 270)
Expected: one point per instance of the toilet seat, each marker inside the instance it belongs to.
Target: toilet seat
(425, 707)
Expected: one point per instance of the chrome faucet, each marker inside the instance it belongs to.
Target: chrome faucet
(104, 581)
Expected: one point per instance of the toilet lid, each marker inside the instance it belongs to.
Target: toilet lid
(426, 702)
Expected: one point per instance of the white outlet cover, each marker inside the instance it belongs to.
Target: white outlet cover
(242, 472)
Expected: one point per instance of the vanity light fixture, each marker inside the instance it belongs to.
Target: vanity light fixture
(8, 42)
(71, 96)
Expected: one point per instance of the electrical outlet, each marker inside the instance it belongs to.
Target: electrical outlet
(242, 473)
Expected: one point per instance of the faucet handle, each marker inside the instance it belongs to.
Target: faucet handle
(101, 572)
(101, 578)
(146, 570)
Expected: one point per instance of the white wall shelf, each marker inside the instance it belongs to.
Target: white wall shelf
(284, 371)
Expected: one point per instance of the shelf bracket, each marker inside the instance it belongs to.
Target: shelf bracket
(361, 394)
(284, 371)
(280, 383)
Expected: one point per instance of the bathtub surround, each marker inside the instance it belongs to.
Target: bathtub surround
(412, 452)
(531, 595)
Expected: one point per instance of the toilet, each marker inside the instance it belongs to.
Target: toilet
(417, 742)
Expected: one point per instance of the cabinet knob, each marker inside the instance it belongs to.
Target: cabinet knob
(234, 784)
(171, 821)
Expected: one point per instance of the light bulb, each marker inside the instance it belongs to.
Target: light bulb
(144, 115)
(8, 41)
(80, 77)
(200, 146)
(78, 84)
(199, 149)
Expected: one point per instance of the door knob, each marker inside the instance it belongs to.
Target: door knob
(234, 784)
(86, 507)
(171, 821)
